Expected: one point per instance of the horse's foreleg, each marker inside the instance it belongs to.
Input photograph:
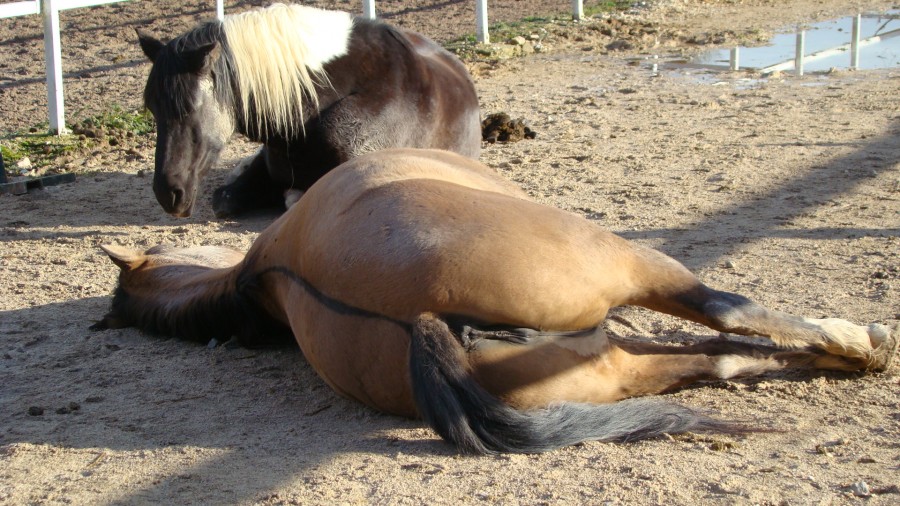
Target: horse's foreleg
(248, 187)
(667, 286)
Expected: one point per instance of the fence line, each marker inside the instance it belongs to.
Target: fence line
(50, 10)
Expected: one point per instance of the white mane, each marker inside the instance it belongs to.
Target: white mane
(278, 54)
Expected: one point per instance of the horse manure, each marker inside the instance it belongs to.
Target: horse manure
(721, 446)
(35, 411)
(716, 445)
(500, 127)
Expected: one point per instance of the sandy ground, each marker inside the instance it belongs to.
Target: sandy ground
(784, 189)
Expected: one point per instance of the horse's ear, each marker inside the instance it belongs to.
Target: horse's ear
(126, 259)
(151, 45)
(201, 58)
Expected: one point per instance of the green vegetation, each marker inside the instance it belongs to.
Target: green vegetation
(117, 120)
(466, 46)
(112, 128)
(603, 6)
(40, 147)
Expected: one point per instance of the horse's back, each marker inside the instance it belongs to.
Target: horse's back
(390, 166)
(406, 75)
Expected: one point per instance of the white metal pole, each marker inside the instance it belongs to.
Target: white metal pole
(734, 60)
(220, 10)
(481, 22)
(577, 9)
(53, 61)
(801, 49)
(369, 9)
(854, 43)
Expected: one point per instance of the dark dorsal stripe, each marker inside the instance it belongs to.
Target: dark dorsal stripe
(331, 303)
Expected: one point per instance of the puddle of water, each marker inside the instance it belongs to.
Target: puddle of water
(819, 37)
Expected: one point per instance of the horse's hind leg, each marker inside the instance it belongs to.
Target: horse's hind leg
(547, 367)
(248, 187)
(667, 286)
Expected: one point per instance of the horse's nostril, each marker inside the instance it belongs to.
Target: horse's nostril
(177, 197)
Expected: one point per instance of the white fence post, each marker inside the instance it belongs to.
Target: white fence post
(577, 9)
(734, 58)
(481, 22)
(53, 60)
(220, 10)
(854, 42)
(799, 52)
(369, 9)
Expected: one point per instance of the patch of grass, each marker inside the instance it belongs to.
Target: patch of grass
(39, 147)
(11, 153)
(465, 46)
(604, 6)
(113, 128)
(118, 120)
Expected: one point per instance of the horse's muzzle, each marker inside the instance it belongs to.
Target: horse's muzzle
(173, 201)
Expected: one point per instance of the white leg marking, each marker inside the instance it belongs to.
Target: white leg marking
(731, 366)
(873, 344)
(589, 346)
(241, 167)
(291, 197)
(844, 338)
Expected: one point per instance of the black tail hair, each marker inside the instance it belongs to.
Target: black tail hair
(476, 422)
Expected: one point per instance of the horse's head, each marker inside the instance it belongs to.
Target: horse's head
(187, 92)
(155, 278)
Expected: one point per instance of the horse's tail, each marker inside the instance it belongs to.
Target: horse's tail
(476, 422)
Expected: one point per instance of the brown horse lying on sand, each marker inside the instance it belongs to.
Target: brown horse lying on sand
(421, 283)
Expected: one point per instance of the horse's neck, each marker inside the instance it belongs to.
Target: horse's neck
(191, 302)
(258, 128)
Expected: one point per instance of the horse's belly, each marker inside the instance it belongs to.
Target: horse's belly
(360, 357)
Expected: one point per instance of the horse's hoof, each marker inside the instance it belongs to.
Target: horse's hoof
(222, 204)
(885, 342)
(223, 214)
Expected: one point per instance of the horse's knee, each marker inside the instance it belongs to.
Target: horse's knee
(250, 191)
(246, 165)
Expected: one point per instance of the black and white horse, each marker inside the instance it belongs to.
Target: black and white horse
(316, 87)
